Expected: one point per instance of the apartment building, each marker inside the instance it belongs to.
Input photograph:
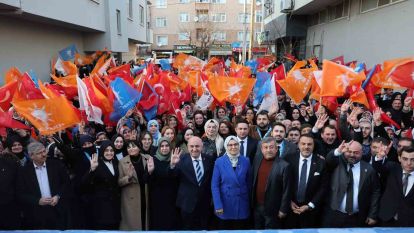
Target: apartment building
(370, 31)
(33, 31)
(205, 27)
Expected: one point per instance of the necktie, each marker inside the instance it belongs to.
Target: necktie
(199, 172)
(405, 182)
(302, 182)
(349, 206)
(242, 148)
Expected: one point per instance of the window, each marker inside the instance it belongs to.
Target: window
(367, 5)
(240, 36)
(219, 36)
(130, 9)
(161, 4)
(162, 40)
(218, 17)
(161, 22)
(184, 17)
(184, 36)
(141, 15)
(202, 15)
(243, 1)
(259, 17)
(218, 1)
(118, 22)
(338, 11)
(184, 1)
(244, 18)
(269, 7)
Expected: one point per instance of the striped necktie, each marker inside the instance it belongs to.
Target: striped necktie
(199, 172)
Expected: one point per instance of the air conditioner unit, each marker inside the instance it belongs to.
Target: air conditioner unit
(286, 6)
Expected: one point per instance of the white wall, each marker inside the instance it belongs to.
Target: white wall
(29, 45)
(370, 37)
(135, 29)
(86, 13)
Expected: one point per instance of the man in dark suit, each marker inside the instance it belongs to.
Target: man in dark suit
(248, 145)
(271, 187)
(9, 213)
(397, 203)
(309, 185)
(285, 147)
(194, 172)
(43, 188)
(354, 190)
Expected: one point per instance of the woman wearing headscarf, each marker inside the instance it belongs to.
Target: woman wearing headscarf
(153, 128)
(212, 141)
(102, 181)
(133, 176)
(15, 146)
(164, 214)
(230, 187)
(119, 145)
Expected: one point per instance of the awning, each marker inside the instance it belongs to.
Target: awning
(184, 51)
(220, 53)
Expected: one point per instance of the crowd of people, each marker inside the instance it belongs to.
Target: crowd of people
(301, 166)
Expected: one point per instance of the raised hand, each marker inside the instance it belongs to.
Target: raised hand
(94, 162)
(376, 116)
(344, 146)
(150, 165)
(407, 102)
(175, 157)
(321, 121)
(345, 106)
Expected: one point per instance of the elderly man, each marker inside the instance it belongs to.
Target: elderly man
(42, 188)
(194, 173)
(355, 189)
(271, 187)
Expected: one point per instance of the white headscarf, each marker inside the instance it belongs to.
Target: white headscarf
(218, 139)
(233, 159)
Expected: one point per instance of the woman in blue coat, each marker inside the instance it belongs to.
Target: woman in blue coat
(231, 186)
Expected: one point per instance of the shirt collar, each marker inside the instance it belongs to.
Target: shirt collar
(42, 166)
(308, 158)
(198, 159)
(411, 173)
(244, 140)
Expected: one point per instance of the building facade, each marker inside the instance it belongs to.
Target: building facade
(204, 27)
(369, 31)
(33, 31)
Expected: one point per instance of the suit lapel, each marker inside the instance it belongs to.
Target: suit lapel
(205, 167)
(229, 168)
(51, 176)
(312, 170)
(33, 178)
(190, 168)
(363, 175)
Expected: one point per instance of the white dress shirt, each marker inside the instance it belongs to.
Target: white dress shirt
(308, 164)
(110, 167)
(244, 145)
(356, 172)
(410, 182)
(43, 180)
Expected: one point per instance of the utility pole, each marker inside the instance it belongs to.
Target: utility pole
(252, 16)
(244, 32)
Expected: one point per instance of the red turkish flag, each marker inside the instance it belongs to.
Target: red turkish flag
(403, 74)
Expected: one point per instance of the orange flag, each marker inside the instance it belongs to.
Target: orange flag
(81, 60)
(47, 93)
(68, 81)
(358, 95)
(399, 71)
(336, 78)
(12, 74)
(233, 90)
(66, 67)
(97, 97)
(48, 115)
(101, 65)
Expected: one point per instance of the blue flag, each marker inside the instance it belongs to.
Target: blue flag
(253, 65)
(165, 64)
(68, 53)
(138, 69)
(151, 113)
(33, 76)
(126, 97)
(262, 87)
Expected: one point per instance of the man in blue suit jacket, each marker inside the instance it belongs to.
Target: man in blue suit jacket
(230, 187)
(194, 194)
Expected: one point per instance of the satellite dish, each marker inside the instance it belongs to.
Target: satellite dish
(196, 19)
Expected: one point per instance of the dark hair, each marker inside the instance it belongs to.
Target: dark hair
(306, 125)
(242, 121)
(407, 139)
(133, 142)
(279, 124)
(143, 133)
(381, 140)
(308, 135)
(230, 126)
(407, 149)
(293, 129)
(328, 126)
(263, 112)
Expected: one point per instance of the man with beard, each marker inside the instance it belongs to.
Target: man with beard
(328, 135)
(366, 128)
(355, 190)
(262, 128)
(285, 147)
(310, 182)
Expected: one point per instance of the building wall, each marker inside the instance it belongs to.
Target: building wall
(371, 37)
(29, 45)
(231, 26)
